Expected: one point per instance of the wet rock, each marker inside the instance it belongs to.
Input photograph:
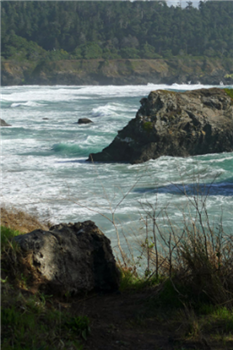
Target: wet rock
(84, 121)
(3, 123)
(71, 258)
(177, 124)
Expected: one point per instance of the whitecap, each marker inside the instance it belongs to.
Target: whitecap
(105, 110)
(26, 104)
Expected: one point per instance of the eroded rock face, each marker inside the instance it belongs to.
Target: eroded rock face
(71, 258)
(3, 123)
(174, 124)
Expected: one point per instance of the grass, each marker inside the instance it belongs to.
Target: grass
(6, 236)
(189, 286)
(131, 281)
(32, 322)
(229, 92)
(192, 274)
(21, 221)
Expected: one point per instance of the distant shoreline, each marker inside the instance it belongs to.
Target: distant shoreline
(206, 71)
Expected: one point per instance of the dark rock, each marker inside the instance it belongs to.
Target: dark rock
(45, 118)
(71, 258)
(84, 121)
(3, 123)
(174, 124)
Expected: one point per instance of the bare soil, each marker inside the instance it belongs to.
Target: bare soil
(131, 321)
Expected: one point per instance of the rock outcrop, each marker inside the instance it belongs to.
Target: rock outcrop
(174, 124)
(3, 123)
(118, 71)
(70, 258)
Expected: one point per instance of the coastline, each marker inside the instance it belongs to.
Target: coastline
(191, 70)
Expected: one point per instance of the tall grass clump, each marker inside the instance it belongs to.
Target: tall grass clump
(196, 256)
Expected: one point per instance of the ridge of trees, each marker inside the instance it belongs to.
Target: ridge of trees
(55, 30)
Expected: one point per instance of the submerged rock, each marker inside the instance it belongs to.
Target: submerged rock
(3, 123)
(71, 258)
(174, 124)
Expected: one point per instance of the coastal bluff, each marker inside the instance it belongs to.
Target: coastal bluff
(177, 124)
(180, 70)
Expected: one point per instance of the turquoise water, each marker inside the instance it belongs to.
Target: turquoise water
(44, 168)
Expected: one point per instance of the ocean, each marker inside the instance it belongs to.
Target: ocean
(44, 168)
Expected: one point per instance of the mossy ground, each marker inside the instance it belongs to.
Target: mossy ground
(146, 313)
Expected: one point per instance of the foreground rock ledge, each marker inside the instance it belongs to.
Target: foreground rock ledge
(70, 258)
(177, 124)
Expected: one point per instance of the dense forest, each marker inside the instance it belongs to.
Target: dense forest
(50, 30)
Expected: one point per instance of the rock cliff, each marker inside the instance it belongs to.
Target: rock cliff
(174, 124)
(118, 71)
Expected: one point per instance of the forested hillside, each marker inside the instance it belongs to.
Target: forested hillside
(111, 30)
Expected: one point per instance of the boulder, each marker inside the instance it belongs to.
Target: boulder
(70, 258)
(177, 124)
(3, 123)
(84, 121)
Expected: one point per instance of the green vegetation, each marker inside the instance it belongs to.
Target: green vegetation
(131, 281)
(187, 290)
(228, 76)
(32, 322)
(229, 92)
(6, 236)
(147, 126)
(54, 30)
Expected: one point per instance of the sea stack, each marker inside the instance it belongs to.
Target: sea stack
(177, 124)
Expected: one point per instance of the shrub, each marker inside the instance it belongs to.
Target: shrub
(147, 126)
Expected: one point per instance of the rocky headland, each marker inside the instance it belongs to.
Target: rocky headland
(177, 124)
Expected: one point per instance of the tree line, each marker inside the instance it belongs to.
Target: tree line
(56, 30)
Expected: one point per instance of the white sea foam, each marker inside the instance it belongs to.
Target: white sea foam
(26, 104)
(45, 168)
(102, 111)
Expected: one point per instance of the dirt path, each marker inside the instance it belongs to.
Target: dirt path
(126, 321)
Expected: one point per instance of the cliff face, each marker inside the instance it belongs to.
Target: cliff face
(174, 124)
(118, 72)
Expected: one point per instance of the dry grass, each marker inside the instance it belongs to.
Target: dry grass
(20, 221)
